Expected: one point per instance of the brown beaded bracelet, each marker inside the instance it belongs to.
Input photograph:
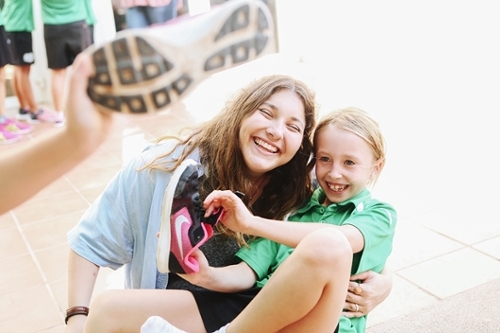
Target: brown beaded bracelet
(76, 310)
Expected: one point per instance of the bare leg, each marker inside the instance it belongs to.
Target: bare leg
(3, 92)
(23, 87)
(58, 84)
(126, 310)
(306, 293)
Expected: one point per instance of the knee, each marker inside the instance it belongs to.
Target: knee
(101, 311)
(326, 249)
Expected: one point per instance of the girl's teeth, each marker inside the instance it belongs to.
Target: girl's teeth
(266, 146)
(337, 188)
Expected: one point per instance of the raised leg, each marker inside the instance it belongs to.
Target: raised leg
(306, 293)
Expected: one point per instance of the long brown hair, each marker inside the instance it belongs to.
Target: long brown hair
(220, 153)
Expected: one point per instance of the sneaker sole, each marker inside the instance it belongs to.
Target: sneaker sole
(147, 70)
(163, 247)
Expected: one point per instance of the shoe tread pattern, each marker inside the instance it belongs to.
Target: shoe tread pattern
(134, 61)
(152, 66)
(240, 52)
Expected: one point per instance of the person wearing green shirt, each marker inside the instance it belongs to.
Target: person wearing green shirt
(350, 154)
(90, 19)
(295, 275)
(66, 34)
(18, 23)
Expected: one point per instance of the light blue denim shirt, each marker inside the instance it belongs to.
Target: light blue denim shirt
(120, 227)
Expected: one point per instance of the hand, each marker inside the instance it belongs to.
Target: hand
(363, 296)
(87, 126)
(203, 276)
(235, 216)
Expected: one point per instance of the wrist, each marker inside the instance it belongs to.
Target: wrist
(76, 311)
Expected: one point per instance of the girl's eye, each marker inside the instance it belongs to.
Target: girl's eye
(295, 128)
(349, 162)
(265, 112)
(324, 159)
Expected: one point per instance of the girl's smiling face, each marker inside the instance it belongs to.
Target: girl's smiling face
(344, 164)
(272, 135)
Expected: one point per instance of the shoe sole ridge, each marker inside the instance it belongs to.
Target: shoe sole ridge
(138, 73)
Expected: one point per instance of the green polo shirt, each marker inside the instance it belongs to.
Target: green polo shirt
(375, 220)
(1, 18)
(63, 11)
(18, 15)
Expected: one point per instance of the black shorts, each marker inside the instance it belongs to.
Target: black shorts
(5, 52)
(63, 42)
(21, 45)
(218, 309)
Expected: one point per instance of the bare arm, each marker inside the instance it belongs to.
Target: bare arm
(47, 159)
(82, 275)
(227, 279)
(237, 217)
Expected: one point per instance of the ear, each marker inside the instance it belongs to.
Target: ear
(377, 169)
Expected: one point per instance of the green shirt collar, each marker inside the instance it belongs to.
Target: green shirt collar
(319, 196)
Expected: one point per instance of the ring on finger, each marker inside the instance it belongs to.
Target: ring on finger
(356, 309)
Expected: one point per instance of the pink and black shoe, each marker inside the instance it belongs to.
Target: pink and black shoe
(183, 228)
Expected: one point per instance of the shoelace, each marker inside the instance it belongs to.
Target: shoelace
(200, 211)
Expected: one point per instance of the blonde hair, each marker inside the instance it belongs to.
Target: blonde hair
(220, 152)
(360, 123)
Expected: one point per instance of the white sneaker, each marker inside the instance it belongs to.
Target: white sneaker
(146, 70)
(157, 324)
(60, 120)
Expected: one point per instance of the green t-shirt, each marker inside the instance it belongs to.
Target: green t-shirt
(18, 15)
(63, 11)
(90, 18)
(375, 220)
(1, 18)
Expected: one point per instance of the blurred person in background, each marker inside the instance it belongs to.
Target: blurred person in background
(144, 13)
(18, 23)
(66, 34)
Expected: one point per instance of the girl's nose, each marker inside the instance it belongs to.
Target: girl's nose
(335, 171)
(275, 130)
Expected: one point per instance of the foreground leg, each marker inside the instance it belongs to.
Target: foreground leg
(128, 310)
(306, 293)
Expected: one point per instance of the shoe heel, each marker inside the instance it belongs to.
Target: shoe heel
(258, 21)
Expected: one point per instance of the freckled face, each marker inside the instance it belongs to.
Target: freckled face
(272, 135)
(344, 163)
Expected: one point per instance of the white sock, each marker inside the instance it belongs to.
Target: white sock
(157, 324)
(222, 329)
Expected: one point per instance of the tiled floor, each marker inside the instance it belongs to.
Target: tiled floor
(441, 175)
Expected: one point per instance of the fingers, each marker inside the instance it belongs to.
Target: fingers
(355, 287)
(353, 306)
(226, 199)
(82, 70)
(352, 310)
(362, 276)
